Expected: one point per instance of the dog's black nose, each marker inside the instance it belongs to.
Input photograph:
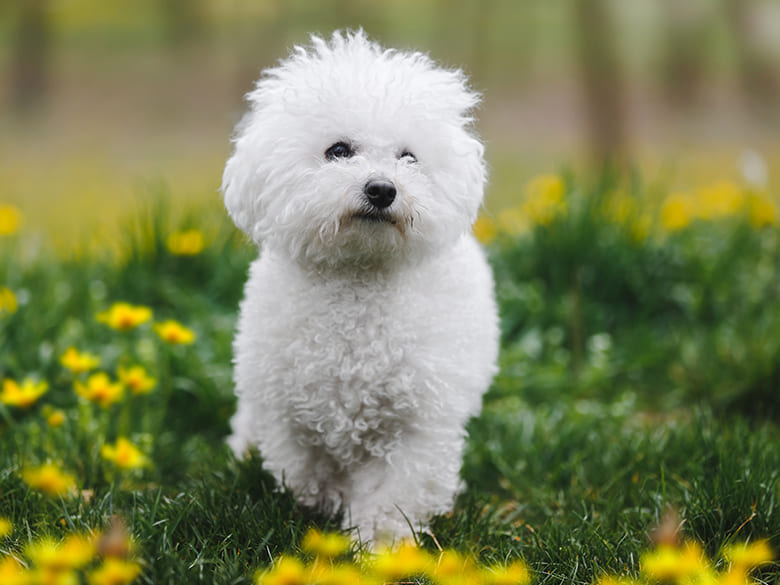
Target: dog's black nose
(380, 193)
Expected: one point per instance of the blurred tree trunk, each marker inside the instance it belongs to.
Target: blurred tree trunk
(757, 69)
(683, 52)
(600, 70)
(31, 55)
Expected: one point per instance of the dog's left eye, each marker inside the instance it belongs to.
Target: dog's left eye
(407, 155)
(339, 150)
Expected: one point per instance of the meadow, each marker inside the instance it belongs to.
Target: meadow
(631, 435)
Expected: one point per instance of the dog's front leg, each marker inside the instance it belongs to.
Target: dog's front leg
(393, 495)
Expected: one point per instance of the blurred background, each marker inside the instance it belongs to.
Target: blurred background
(104, 103)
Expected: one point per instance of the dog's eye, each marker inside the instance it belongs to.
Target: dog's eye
(408, 156)
(339, 150)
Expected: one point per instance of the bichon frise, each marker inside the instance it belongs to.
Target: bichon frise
(368, 332)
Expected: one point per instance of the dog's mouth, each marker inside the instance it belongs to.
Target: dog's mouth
(375, 217)
(369, 217)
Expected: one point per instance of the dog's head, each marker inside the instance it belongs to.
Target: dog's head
(353, 153)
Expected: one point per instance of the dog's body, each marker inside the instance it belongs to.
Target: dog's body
(368, 333)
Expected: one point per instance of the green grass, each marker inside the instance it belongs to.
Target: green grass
(637, 376)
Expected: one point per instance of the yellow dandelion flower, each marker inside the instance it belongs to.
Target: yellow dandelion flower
(54, 577)
(325, 545)
(13, 573)
(513, 221)
(407, 561)
(6, 527)
(78, 362)
(137, 379)
(174, 333)
(123, 454)
(114, 572)
(452, 568)
(484, 229)
(286, 571)
(341, 574)
(545, 199)
(745, 557)
(515, 573)
(54, 418)
(186, 243)
(719, 200)
(762, 211)
(50, 479)
(677, 211)
(24, 395)
(76, 551)
(10, 220)
(8, 302)
(100, 389)
(124, 316)
(671, 563)
(727, 578)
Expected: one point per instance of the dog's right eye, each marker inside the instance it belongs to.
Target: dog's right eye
(339, 150)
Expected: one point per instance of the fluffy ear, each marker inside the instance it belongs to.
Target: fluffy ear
(235, 196)
(463, 176)
(241, 183)
(474, 171)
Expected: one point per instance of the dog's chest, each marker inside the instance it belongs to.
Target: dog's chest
(353, 376)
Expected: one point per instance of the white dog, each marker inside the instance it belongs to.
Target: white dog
(368, 332)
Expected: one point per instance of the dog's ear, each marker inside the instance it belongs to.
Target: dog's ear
(463, 176)
(455, 95)
(239, 186)
(236, 195)
(474, 172)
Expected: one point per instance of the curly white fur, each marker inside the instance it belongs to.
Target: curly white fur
(366, 337)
